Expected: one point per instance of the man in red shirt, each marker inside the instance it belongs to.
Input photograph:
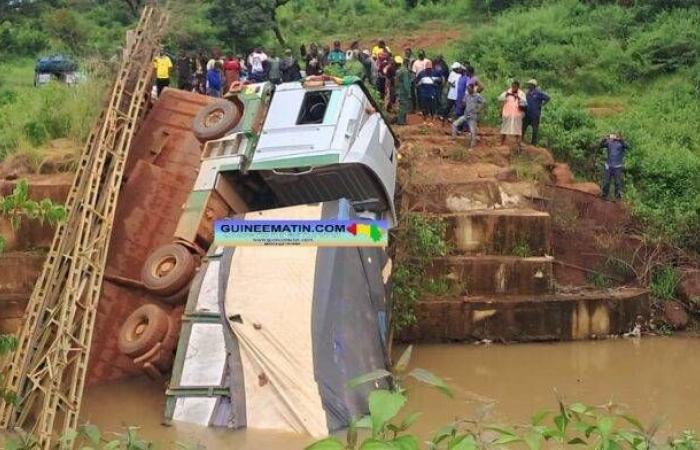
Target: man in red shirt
(232, 71)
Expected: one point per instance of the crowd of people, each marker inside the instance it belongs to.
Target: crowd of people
(406, 83)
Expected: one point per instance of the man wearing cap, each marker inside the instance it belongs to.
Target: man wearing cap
(616, 148)
(452, 80)
(536, 99)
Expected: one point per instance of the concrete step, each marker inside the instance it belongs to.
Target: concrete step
(520, 232)
(505, 275)
(484, 193)
(445, 198)
(556, 317)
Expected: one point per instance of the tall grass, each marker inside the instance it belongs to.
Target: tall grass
(31, 116)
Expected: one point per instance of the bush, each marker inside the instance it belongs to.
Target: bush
(672, 42)
(21, 39)
(664, 282)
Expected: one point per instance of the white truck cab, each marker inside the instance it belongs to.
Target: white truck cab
(303, 143)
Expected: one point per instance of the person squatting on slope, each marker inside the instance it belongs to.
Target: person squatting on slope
(473, 105)
(615, 147)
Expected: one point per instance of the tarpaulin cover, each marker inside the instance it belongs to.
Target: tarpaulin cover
(304, 320)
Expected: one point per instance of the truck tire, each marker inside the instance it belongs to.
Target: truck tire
(168, 269)
(179, 297)
(142, 330)
(215, 120)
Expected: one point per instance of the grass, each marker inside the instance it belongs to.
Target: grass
(599, 280)
(664, 282)
(30, 117)
(529, 169)
(522, 249)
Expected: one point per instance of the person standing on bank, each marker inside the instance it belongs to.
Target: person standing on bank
(452, 79)
(405, 92)
(473, 105)
(536, 99)
(163, 66)
(616, 147)
(514, 106)
(184, 71)
(215, 80)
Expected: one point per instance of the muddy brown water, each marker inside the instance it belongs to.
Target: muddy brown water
(654, 377)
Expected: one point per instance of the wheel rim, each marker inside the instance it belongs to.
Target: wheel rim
(164, 266)
(213, 118)
(138, 330)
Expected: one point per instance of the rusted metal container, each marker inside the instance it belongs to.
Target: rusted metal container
(160, 172)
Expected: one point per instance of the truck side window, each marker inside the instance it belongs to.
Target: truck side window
(313, 107)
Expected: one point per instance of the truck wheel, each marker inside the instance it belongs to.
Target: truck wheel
(142, 330)
(179, 297)
(215, 120)
(168, 269)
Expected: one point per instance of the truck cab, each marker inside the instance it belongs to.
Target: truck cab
(297, 143)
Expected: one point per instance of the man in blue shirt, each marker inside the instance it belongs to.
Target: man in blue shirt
(614, 163)
(536, 99)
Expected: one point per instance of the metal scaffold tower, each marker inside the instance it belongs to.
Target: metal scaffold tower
(48, 369)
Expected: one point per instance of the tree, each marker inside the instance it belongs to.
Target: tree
(245, 21)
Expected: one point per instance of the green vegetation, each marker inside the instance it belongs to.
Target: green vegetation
(663, 283)
(420, 239)
(522, 249)
(599, 280)
(18, 205)
(30, 117)
(607, 427)
(644, 60)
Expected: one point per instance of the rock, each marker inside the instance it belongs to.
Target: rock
(507, 174)
(688, 289)
(587, 187)
(540, 155)
(675, 315)
(562, 174)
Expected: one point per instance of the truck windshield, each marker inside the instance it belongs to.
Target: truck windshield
(314, 107)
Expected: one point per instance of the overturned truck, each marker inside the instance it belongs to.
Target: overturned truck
(271, 335)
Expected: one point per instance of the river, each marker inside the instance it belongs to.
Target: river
(654, 377)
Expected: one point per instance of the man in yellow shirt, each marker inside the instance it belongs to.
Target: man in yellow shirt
(162, 66)
(380, 47)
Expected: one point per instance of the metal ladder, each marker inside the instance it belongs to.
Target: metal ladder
(47, 371)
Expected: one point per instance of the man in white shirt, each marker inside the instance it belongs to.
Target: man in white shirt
(455, 74)
(255, 62)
